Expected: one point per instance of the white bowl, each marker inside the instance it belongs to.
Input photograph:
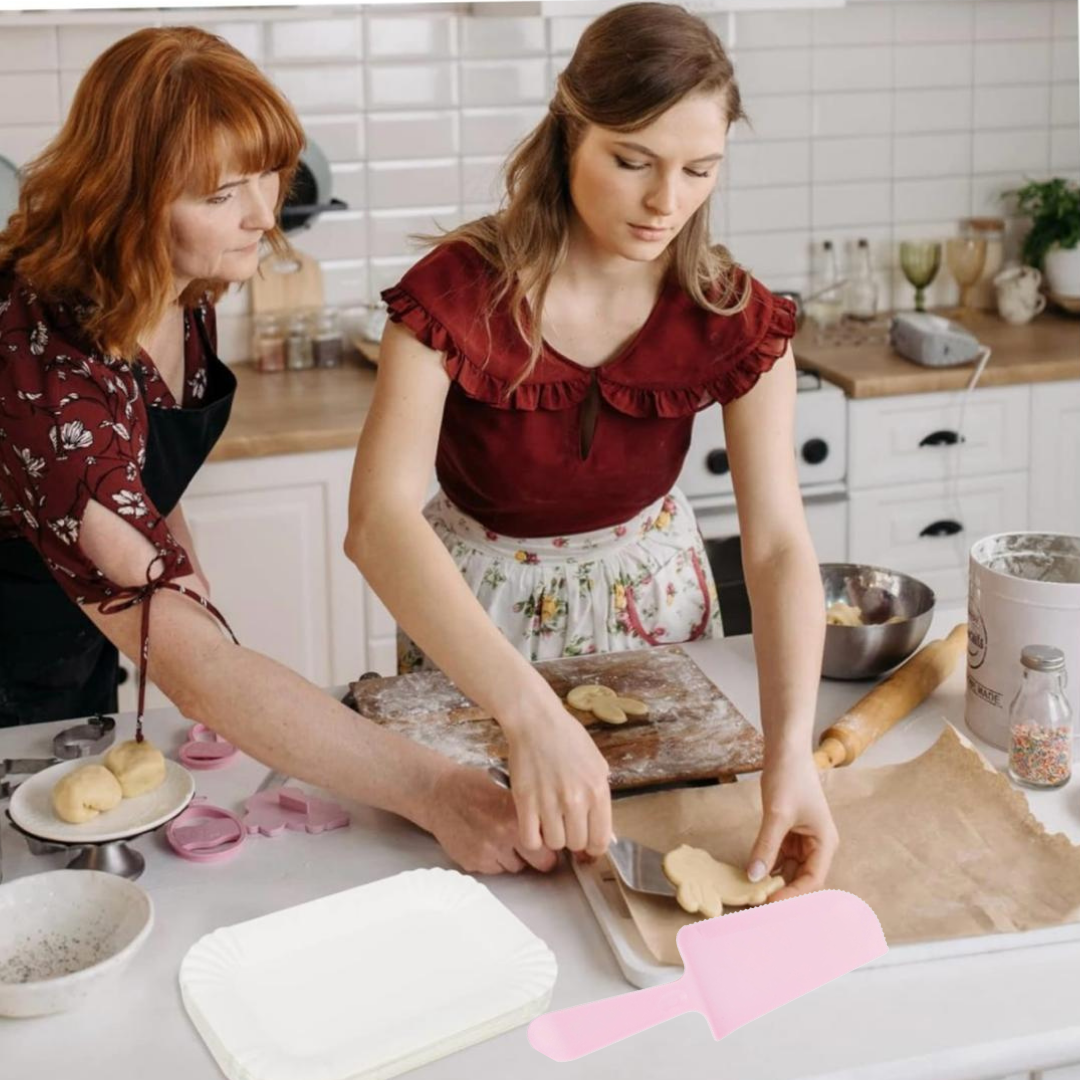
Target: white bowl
(63, 935)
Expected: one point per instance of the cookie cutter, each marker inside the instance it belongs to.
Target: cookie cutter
(85, 740)
(205, 833)
(205, 749)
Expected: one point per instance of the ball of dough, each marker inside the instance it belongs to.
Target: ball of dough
(139, 766)
(84, 793)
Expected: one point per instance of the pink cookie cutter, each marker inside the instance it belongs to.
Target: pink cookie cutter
(205, 749)
(205, 833)
(272, 812)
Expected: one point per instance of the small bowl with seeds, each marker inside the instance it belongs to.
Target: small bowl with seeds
(64, 935)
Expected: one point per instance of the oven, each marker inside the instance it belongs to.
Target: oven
(821, 450)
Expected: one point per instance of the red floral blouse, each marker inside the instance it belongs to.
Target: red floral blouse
(516, 461)
(73, 428)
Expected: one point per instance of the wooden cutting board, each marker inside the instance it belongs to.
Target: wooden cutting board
(693, 731)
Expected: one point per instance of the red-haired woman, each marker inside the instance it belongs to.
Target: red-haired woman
(152, 199)
(550, 360)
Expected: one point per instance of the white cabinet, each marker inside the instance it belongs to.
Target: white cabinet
(269, 533)
(929, 474)
(1055, 457)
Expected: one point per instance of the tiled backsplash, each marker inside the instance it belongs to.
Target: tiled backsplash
(884, 120)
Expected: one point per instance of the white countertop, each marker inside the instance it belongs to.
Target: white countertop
(970, 1018)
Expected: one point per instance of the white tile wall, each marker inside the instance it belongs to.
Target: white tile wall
(888, 119)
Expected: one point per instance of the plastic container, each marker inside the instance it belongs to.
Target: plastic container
(1024, 587)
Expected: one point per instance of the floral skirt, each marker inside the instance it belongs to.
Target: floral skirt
(646, 582)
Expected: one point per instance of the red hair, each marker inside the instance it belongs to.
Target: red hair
(158, 115)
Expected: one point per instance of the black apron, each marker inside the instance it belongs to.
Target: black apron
(54, 662)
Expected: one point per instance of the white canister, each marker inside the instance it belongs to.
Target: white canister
(1023, 589)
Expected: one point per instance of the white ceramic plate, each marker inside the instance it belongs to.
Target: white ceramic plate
(31, 806)
(365, 984)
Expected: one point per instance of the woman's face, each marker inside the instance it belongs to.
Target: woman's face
(217, 236)
(634, 191)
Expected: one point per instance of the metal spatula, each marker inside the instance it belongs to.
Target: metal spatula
(738, 967)
(639, 867)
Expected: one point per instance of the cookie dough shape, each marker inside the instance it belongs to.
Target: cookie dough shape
(705, 885)
(139, 766)
(605, 704)
(84, 793)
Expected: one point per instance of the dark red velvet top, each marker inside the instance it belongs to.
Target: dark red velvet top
(514, 460)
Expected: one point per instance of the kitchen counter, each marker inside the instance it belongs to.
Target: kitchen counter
(297, 411)
(291, 412)
(958, 1019)
(1044, 350)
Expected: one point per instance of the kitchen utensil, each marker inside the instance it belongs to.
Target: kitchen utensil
(907, 687)
(85, 740)
(693, 731)
(289, 283)
(31, 807)
(205, 749)
(640, 868)
(861, 652)
(272, 812)
(309, 194)
(366, 983)
(20, 767)
(64, 936)
(205, 833)
(966, 257)
(738, 967)
(931, 340)
(920, 260)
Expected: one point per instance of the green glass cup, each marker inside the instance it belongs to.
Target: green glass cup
(920, 260)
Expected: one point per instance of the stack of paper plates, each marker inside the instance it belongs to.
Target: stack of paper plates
(367, 983)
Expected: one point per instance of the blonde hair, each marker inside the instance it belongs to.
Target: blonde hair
(630, 66)
(149, 122)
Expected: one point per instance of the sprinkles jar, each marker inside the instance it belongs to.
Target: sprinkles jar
(1040, 721)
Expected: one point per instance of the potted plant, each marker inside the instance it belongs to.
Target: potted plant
(1053, 244)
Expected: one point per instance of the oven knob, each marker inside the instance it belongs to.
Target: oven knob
(815, 451)
(717, 462)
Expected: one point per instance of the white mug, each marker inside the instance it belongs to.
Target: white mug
(1018, 296)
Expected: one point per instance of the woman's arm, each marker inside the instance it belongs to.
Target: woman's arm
(287, 723)
(178, 526)
(559, 777)
(788, 605)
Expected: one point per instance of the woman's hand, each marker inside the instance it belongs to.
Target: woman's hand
(475, 822)
(797, 837)
(560, 783)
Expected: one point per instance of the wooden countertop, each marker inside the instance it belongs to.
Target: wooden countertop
(291, 412)
(1046, 349)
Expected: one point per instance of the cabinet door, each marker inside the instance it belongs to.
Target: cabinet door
(912, 438)
(1055, 457)
(927, 530)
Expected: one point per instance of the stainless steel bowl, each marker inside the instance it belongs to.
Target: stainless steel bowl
(862, 652)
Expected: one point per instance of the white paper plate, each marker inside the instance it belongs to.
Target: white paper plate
(367, 983)
(31, 806)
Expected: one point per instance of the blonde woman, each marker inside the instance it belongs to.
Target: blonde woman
(155, 195)
(550, 360)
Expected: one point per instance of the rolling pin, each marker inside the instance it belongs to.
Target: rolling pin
(871, 716)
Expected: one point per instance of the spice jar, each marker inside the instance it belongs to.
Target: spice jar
(298, 352)
(992, 230)
(326, 340)
(268, 344)
(1040, 721)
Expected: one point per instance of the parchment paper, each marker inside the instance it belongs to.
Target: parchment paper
(942, 846)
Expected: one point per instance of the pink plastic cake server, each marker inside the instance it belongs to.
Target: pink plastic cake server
(738, 967)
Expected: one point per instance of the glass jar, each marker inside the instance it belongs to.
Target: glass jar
(326, 341)
(861, 298)
(268, 344)
(298, 352)
(992, 230)
(1040, 721)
